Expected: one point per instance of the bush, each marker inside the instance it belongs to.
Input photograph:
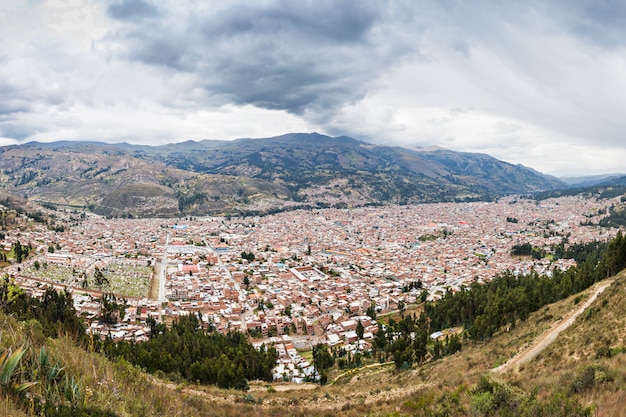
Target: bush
(492, 398)
(590, 377)
(603, 352)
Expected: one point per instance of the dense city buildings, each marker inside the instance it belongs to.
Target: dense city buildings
(296, 278)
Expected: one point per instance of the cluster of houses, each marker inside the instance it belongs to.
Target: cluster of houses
(310, 275)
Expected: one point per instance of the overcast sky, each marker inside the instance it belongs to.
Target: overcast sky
(536, 82)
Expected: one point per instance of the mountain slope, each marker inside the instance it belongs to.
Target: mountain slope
(253, 175)
(496, 176)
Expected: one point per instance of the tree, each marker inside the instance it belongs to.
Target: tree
(113, 308)
(99, 277)
(360, 330)
(18, 250)
(453, 344)
(524, 249)
(249, 256)
(371, 310)
(322, 360)
(84, 283)
(188, 351)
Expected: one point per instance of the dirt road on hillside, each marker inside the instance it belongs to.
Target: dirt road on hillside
(550, 335)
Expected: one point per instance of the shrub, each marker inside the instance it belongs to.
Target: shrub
(590, 377)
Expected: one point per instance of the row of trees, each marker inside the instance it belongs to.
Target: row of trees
(54, 310)
(21, 251)
(189, 351)
(526, 249)
(484, 308)
(405, 342)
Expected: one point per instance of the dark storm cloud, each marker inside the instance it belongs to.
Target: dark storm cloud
(131, 10)
(293, 56)
(333, 22)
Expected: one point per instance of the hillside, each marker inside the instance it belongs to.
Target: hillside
(570, 357)
(253, 175)
(584, 368)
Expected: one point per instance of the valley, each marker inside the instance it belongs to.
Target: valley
(305, 278)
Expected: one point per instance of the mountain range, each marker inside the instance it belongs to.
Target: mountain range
(254, 176)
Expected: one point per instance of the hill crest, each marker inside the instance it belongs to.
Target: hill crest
(257, 175)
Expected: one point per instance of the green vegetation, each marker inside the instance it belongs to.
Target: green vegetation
(602, 192)
(186, 201)
(56, 377)
(322, 360)
(188, 351)
(248, 256)
(20, 252)
(484, 308)
(526, 249)
(616, 217)
(493, 398)
(54, 312)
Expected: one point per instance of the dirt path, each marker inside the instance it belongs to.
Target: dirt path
(314, 402)
(282, 387)
(550, 335)
(153, 292)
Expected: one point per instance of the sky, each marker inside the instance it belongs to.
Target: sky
(540, 82)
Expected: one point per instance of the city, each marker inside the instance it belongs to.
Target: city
(295, 279)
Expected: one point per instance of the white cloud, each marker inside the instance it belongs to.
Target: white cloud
(533, 82)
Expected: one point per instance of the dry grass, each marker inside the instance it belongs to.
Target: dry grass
(595, 339)
(7, 409)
